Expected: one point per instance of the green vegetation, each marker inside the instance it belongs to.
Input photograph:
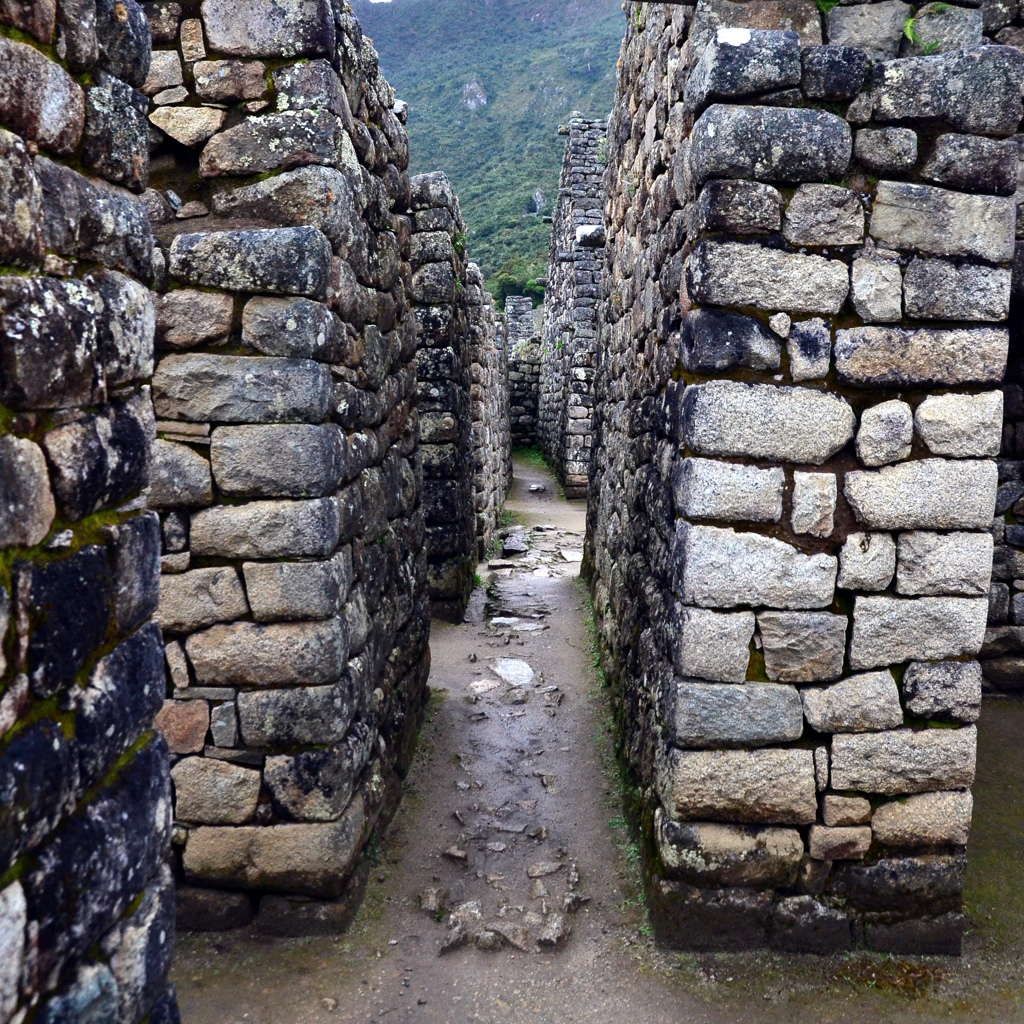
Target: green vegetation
(524, 65)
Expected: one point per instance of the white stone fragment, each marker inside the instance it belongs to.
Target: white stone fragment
(814, 503)
(513, 671)
(867, 561)
(961, 426)
(886, 433)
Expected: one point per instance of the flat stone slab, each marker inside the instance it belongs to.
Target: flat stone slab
(716, 715)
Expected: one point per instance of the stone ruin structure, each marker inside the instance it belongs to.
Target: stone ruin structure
(523, 346)
(811, 227)
(571, 298)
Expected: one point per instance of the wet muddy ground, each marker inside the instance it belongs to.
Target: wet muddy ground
(512, 818)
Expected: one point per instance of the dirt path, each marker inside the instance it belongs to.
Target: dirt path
(514, 777)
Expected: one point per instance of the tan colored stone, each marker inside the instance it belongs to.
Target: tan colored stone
(826, 843)
(929, 819)
(190, 126)
(184, 724)
(186, 317)
(846, 810)
(212, 792)
(200, 598)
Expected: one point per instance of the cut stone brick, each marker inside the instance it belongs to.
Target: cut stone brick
(803, 647)
(861, 703)
(716, 715)
(713, 645)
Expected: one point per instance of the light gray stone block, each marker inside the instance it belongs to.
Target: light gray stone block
(950, 689)
(905, 761)
(810, 349)
(720, 568)
(886, 150)
(890, 630)
(824, 215)
(941, 290)
(867, 561)
(712, 645)
(814, 503)
(716, 715)
(710, 489)
(846, 843)
(877, 291)
(282, 591)
(928, 819)
(944, 563)
(862, 703)
(267, 529)
(212, 792)
(179, 477)
(224, 725)
(200, 598)
(876, 28)
(803, 647)
(762, 421)
(961, 426)
(191, 126)
(886, 433)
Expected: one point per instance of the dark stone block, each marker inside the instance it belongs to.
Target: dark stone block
(442, 501)
(125, 331)
(125, 691)
(439, 364)
(77, 20)
(973, 164)
(166, 1009)
(738, 207)
(21, 205)
(39, 784)
(48, 344)
(685, 917)
(930, 936)
(211, 910)
(125, 43)
(98, 862)
(998, 604)
(136, 571)
(67, 606)
(289, 917)
(800, 924)
(713, 341)
(919, 885)
(448, 540)
(834, 73)
(444, 461)
(89, 998)
(116, 138)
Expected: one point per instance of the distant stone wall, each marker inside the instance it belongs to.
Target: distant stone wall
(571, 299)
(287, 471)
(790, 537)
(86, 898)
(523, 344)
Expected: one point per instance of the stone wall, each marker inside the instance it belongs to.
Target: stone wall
(287, 471)
(571, 298)
(443, 367)
(790, 545)
(86, 899)
(523, 345)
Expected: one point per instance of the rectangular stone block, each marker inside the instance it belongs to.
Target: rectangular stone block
(942, 290)
(712, 645)
(303, 716)
(238, 389)
(295, 28)
(187, 318)
(802, 647)
(294, 328)
(179, 477)
(720, 568)
(961, 425)
(950, 690)
(772, 787)
(715, 715)
(200, 598)
(267, 529)
(950, 563)
(905, 761)
(861, 703)
(280, 591)
(890, 630)
(710, 489)
(929, 819)
(212, 792)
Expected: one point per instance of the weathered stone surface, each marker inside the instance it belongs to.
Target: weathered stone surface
(824, 215)
(800, 924)
(184, 724)
(824, 843)
(317, 785)
(940, 30)
(904, 761)
(886, 150)
(713, 340)
(712, 645)
(771, 787)
(931, 494)
(91, 997)
(37, 17)
(295, 28)
(771, 144)
(691, 917)
(846, 810)
(810, 349)
(930, 819)
(861, 703)
(212, 792)
(224, 725)
(164, 72)
(116, 137)
(763, 421)
(716, 715)
(888, 630)
(191, 126)
(282, 654)
(743, 274)
(719, 568)
(986, 100)
(738, 207)
(941, 290)
(710, 489)
(920, 884)
(814, 503)
(941, 223)
(237, 389)
(278, 460)
(272, 142)
(13, 918)
(296, 328)
(281, 261)
(314, 860)
(179, 477)
(268, 529)
(950, 690)
(802, 647)
(970, 163)
(944, 563)
(297, 590)
(39, 100)
(308, 85)
(833, 72)
(728, 854)
(306, 715)
(877, 291)
(793, 15)
(125, 42)
(21, 205)
(961, 425)
(740, 62)
(27, 508)
(200, 598)
(886, 433)
(230, 81)
(876, 28)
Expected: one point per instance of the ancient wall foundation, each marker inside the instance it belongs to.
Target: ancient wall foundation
(571, 299)
(810, 242)
(86, 898)
(523, 344)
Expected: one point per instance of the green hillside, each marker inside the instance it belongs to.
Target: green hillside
(533, 61)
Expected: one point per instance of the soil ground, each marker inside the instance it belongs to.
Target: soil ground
(523, 776)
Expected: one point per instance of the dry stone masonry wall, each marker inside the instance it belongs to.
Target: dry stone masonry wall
(287, 470)
(86, 898)
(810, 241)
(524, 359)
(571, 299)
